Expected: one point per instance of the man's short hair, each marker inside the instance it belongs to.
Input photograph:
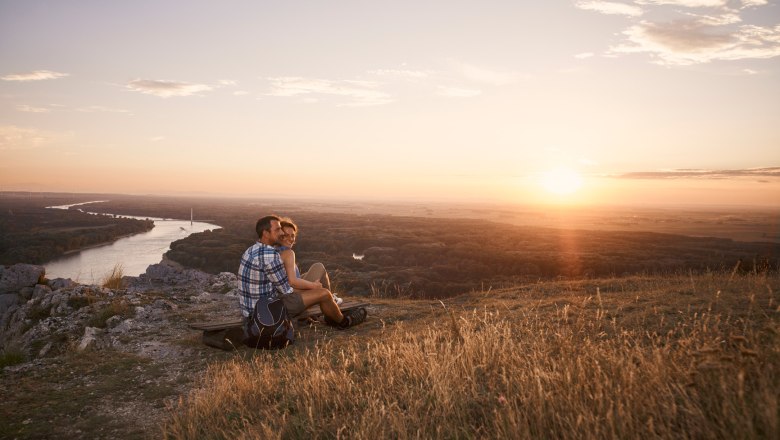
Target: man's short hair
(264, 224)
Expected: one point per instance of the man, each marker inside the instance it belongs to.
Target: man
(261, 273)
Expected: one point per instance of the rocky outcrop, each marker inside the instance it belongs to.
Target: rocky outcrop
(172, 275)
(47, 318)
(14, 278)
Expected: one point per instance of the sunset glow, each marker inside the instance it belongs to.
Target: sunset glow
(561, 181)
(672, 101)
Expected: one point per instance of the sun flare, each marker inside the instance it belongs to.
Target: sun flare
(561, 181)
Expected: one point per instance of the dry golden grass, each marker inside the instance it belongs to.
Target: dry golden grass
(113, 279)
(636, 357)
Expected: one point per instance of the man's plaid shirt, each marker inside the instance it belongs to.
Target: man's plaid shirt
(261, 273)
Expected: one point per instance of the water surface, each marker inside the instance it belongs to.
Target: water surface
(134, 253)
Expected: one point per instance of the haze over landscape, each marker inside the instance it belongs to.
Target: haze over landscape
(574, 102)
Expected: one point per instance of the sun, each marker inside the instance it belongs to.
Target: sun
(561, 181)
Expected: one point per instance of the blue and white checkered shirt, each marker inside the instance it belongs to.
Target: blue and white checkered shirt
(261, 273)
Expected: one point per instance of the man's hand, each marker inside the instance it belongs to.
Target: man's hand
(317, 285)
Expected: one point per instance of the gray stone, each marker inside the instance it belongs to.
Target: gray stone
(164, 304)
(113, 321)
(41, 291)
(46, 348)
(204, 297)
(61, 283)
(172, 275)
(89, 338)
(8, 300)
(26, 293)
(20, 275)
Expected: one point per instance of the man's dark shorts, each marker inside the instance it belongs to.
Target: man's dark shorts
(294, 303)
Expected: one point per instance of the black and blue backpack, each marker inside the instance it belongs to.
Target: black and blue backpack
(270, 326)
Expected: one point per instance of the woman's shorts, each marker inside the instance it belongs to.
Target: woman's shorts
(294, 303)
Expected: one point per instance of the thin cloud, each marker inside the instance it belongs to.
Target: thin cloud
(753, 3)
(37, 75)
(610, 8)
(699, 31)
(31, 109)
(687, 42)
(101, 109)
(687, 3)
(166, 89)
(401, 73)
(762, 173)
(20, 138)
(584, 55)
(355, 93)
(455, 92)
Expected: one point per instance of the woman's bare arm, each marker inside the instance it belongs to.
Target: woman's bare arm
(288, 258)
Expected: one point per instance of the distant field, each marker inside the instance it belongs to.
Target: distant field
(443, 250)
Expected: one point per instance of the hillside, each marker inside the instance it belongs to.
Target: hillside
(628, 357)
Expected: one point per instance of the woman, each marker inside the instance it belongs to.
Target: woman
(315, 277)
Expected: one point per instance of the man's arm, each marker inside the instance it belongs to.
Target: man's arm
(278, 276)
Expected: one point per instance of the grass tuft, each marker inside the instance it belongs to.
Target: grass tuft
(12, 356)
(116, 307)
(113, 279)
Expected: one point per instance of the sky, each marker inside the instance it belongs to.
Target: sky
(570, 102)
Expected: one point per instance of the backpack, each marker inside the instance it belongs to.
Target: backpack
(270, 326)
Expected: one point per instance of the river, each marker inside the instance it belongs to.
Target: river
(134, 253)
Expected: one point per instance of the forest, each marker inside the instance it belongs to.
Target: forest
(32, 233)
(378, 254)
(416, 257)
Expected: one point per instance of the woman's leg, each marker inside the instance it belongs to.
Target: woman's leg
(317, 272)
(324, 298)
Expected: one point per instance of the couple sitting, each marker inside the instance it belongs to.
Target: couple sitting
(315, 277)
(263, 272)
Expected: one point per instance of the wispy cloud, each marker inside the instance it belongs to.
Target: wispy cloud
(355, 93)
(456, 92)
(699, 31)
(20, 138)
(401, 73)
(687, 3)
(611, 8)
(584, 55)
(167, 89)
(692, 41)
(32, 109)
(762, 173)
(101, 109)
(37, 75)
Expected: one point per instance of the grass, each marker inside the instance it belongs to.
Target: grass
(113, 280)
(683, 356)
(118, 306)
(12, 355)
(66, 399)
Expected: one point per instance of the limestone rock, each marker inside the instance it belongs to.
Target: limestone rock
(41, 291)
(89, 338)
(7, 301)
(20, 275)
(61, 283)
(26, 293)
